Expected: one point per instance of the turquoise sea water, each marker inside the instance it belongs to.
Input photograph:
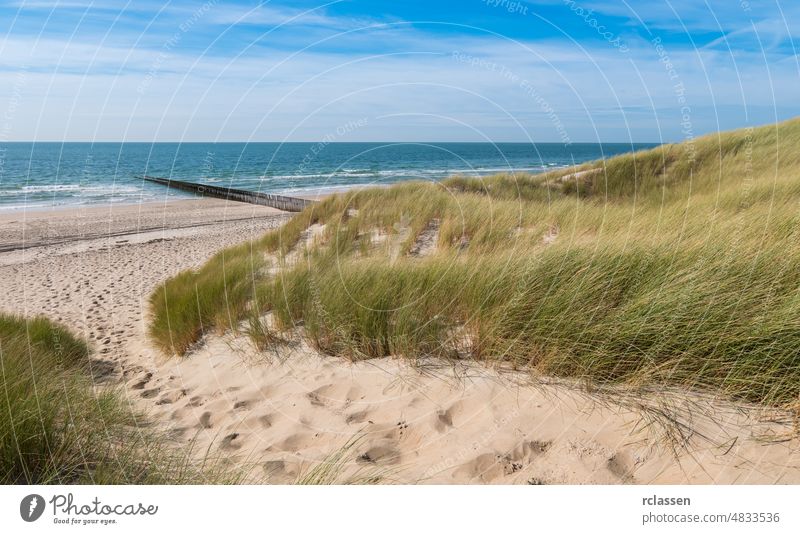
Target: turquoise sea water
(44, 175)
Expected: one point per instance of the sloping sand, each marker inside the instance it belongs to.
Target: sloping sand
(283, 411)
(288, 409)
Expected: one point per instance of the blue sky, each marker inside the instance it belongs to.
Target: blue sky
(472, 70)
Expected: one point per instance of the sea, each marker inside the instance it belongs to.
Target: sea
(46, 175)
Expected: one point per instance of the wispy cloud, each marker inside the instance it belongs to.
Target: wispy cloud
(54, 4)
(273, 70)
(267, 15)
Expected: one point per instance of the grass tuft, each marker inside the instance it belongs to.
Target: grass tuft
(55, 428)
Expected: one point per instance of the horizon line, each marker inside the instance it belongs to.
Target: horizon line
(350, 142)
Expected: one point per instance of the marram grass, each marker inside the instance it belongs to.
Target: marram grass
(56, 428)
(675, 266)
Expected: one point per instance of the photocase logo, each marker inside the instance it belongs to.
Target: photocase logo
(31, 508)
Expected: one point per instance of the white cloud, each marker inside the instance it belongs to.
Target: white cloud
(267, 15)
(85, 89)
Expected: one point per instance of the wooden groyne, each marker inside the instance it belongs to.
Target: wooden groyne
(239, 195)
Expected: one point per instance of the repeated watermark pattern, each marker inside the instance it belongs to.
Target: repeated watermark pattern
(513, 6)
(20, 79)
(330, 137)
(588, 15)
(525, 85)
(679, 90)
(172, 43)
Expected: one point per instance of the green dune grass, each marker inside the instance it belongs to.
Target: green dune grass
(56, 428)
(676, 266)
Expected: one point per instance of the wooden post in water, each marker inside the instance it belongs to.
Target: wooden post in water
(280, 202)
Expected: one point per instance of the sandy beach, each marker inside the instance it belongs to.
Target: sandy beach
(283, 411)
(93, 268)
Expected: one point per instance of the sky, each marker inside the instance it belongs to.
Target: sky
(565, 71)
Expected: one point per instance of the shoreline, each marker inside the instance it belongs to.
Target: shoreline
(20, 211)
(63, 226)
(105, 206)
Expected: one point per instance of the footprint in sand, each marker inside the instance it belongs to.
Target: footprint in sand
(335, 394)
(150, 393)
(528, 451)
(443, 421)
(281, 471)
(509, 465)
(382, 452)
(394, 433)
(295, 442)
(357, 417)
(266, 420)
(205, 420)
(482, 468)
(314, 397)
(142, 382)
(622, 467)
(489, 467)
(231, 442)
(445, 418)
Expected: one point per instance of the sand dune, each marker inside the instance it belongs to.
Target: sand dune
(283, 411)
(288, 409)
